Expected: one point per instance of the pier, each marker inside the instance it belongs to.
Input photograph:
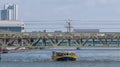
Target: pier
(60, 39)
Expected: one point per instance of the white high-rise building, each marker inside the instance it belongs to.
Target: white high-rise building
(10, 12)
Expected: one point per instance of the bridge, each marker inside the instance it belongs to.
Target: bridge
(59, 39)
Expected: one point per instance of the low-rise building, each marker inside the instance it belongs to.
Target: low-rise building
(12, 26)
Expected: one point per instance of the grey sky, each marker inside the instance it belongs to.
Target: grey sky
(74, 9)
(64, 9)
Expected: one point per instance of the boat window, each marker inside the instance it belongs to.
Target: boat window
(73, 54)
(59, 54)
(62, 54)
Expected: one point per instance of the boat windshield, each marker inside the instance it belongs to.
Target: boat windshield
(64, 53)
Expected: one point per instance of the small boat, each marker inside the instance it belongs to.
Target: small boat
(0, 50)
(78, 48)
(64, 56)
(3, 50)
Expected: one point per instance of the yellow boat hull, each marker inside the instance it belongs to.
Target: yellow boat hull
(65, 58)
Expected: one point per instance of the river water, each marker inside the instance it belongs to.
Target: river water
(42, 58)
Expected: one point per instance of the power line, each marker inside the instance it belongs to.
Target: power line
(42, 20)
(72, 20)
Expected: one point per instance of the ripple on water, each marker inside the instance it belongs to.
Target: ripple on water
(45, 55)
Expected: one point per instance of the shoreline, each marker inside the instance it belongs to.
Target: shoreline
(13, 50)
(20, 49)
(23, 50)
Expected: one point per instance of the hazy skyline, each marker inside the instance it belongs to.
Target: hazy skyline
(64, 9)
(35, 10)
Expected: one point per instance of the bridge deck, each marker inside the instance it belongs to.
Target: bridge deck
(104, 39)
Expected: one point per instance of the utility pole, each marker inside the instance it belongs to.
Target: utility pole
(68, 26)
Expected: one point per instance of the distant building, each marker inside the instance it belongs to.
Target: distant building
(12, 26)
(10, 12)
(4, 15)
(86, 30)
(58, 31)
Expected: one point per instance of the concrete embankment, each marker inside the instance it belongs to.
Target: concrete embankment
(21, 49)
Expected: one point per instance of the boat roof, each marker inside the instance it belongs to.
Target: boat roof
(63, 51)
